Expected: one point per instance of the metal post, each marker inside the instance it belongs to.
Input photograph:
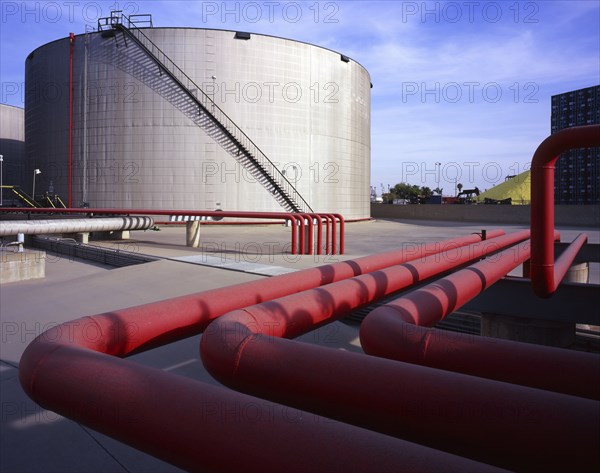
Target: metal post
(1, 180)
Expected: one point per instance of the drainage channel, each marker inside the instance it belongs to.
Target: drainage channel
(116, 258)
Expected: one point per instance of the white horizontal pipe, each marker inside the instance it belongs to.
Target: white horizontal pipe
(74, 225)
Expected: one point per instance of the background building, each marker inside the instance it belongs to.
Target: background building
(137, 143)
(577, 175)
(12, 148)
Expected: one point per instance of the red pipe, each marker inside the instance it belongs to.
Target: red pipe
(320, 219)
(333, 234)
(195, 311)
(155, 325)
(239, 350)
(565, 260)
(342, 231)
(506, 425)
(510, 426)
(307, 219)
(553, 369)
(196, 426)
(70, 164)
(297, 247)
(430, 304)
(395, 331)
(49, 365)
(300, 312)
(327, 234)
(544, 277)
(202, 213)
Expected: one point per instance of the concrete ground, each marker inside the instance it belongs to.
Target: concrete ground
(36, 440)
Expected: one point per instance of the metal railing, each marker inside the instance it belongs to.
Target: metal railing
(23, 196)
(247, 152)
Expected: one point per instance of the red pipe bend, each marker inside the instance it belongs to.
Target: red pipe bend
(544, 277)
(241, 350)
(139, 328)
(506, 425)
(200, 427)
(297, 313)
(306, 227)
(342, 233)
(553, 369)
(61, 368)
(393, 331)
(322, 219)
(332, 241)
(333, 234)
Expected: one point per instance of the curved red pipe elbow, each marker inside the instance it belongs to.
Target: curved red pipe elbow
(544, 278)
(394, 331)
(199, 427)
(222, 344)
(295, 314)
(509, 426)
(387, 335)
(342, 234)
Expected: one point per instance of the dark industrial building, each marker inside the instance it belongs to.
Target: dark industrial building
(577, 176)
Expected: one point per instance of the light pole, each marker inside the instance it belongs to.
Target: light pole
(35, 173)
(1, 181)
(439, 168)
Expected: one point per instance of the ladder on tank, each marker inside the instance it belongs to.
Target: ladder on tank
(206, 112)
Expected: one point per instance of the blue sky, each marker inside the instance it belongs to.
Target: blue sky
(466, 84)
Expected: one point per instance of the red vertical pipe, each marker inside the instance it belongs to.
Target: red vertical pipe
(319, 234)
(342, 243)
(301, 234)
(310, 231)
(294, 248)
(543, 273)
(327, 244)
(70, 165)
(333, 234)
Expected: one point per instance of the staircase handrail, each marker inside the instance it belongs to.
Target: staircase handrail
(248, 147)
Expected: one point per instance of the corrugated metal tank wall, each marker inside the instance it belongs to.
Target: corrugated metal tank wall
(12, 148)
(308, 111)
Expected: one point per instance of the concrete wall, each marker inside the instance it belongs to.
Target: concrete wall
(14, 266)
(565, 215)
(308, 111)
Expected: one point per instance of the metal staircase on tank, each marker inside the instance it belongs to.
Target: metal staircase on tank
(47, 200)
(23, 197)
(193, 102)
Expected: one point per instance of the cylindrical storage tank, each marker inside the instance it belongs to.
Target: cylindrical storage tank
(133, 146)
